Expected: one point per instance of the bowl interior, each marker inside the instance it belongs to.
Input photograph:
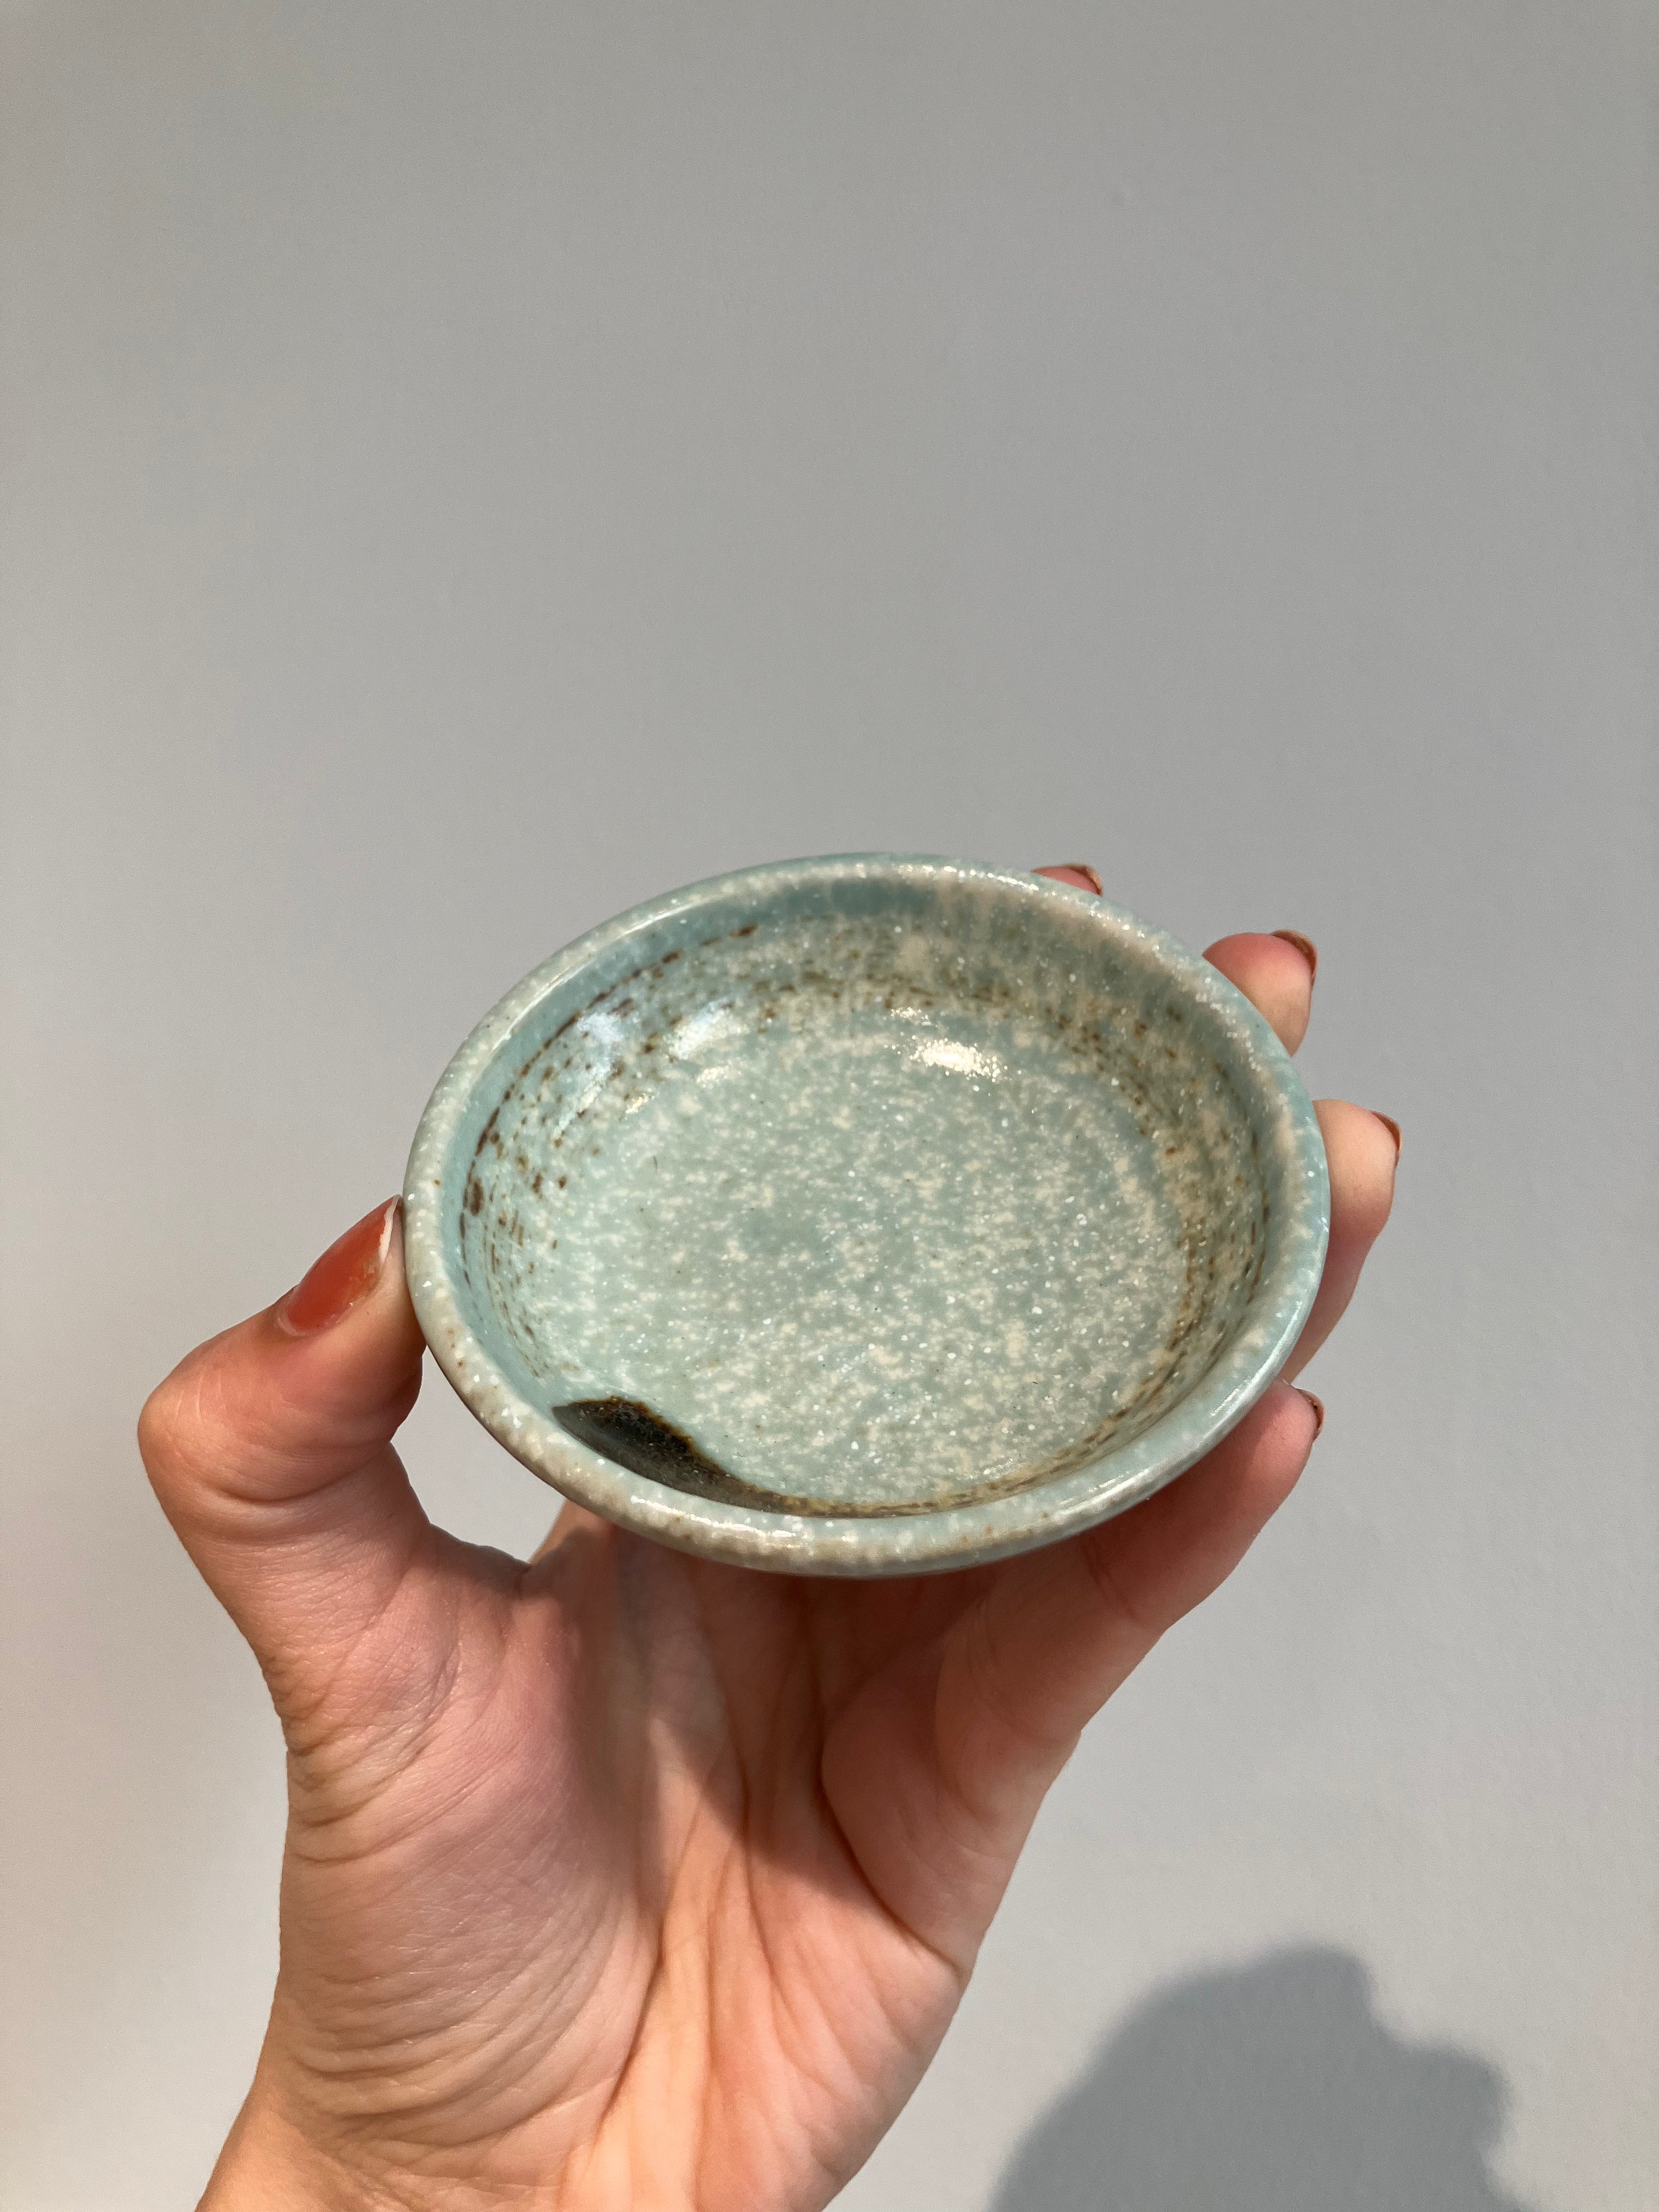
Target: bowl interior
(886, 1194)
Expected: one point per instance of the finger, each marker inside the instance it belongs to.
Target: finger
(270, 1449)
(1275, 973)
(1361, 1150)
(1057, 1632)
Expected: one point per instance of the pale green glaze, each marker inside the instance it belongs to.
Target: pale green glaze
(941, 1210)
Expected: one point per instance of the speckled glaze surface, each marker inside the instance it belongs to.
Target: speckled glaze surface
(866, 1215)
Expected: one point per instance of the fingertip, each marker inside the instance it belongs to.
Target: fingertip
(1186, 1538)
(362, 1365)
(1363, 1157)
(1305, 947)
(345, 1273)
(1259, 1464)
(269, 1410)
(1274, 1441)
(1274, 974)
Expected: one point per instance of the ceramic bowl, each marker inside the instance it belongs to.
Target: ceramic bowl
(866, 1216)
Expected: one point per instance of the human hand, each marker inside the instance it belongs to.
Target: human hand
(622, 1879)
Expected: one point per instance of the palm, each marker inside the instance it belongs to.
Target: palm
(754, 1825)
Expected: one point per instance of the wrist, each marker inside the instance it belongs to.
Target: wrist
(268, 2161)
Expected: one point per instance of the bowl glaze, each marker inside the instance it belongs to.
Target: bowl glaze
(865, 1215)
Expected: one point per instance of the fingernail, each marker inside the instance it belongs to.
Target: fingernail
(1393, 1128)
(1305, 947)
(1075, 872)
(1318, 1405)
(345, 1275)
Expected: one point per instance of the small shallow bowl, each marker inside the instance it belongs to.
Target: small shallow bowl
(866, 1216)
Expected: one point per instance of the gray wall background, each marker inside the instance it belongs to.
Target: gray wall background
(469, 468)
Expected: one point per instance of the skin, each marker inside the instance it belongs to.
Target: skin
(618, 1879)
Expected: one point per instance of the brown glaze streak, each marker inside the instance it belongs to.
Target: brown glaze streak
(633, 1435)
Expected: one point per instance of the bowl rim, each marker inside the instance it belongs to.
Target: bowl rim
(952, 1536)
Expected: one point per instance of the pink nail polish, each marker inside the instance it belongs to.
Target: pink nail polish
(1077, 873)
(345, 1275)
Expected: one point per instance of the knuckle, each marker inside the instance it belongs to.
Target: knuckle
(158, 1423)
(176, 1427)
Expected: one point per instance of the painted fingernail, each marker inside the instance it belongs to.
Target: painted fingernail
(345, 1275)
(1318, 1405)
(1075, 872)
(1392, 1126)
(1305, 947)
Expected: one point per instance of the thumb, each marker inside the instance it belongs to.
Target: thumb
(270, 1449)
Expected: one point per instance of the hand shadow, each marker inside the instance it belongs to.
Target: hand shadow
(1271, 2088)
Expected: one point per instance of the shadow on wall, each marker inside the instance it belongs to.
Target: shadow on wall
(1274, 2088)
